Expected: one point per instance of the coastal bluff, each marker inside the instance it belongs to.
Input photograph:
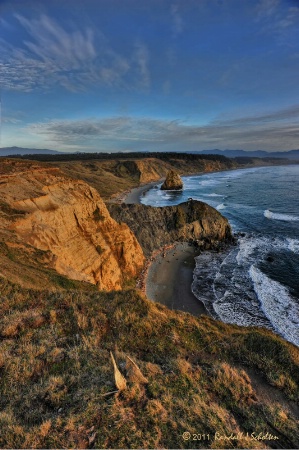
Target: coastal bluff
(192, 221)
(68, 221)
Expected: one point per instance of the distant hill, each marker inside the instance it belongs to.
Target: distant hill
(291, 154)
(8, 151)
(14, 151)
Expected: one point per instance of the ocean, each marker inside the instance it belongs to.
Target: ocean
(256, 282)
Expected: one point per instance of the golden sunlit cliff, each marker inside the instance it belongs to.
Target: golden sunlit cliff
(68, 220)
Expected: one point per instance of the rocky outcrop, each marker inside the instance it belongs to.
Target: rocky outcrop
(68, 219)
(190, 221)
(173, 181)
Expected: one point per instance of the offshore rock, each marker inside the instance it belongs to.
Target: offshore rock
(192, 221)
(173, 181)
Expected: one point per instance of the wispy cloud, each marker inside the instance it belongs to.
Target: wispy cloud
(268, 131)
(279, 18)
(177, 21)
(266, 8)
(11, 120)
(290, 114)
(50, 42)
(74, 59)
(142, 59)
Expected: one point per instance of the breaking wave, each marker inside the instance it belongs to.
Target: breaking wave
(278, 305)
(277, 216)
(235, 290)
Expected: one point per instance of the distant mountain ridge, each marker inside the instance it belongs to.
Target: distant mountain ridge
(8, 151)
(290, 154)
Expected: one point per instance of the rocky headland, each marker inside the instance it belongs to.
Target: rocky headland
(192, 221)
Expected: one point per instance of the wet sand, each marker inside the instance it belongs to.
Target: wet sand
(169, 280)
(135, 194)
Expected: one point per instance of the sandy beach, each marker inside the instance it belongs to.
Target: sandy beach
(134, 195)
(169, 279)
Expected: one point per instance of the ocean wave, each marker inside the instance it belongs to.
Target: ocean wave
(236, 291)
(278, 305)
(293, 245)
(208, 182)
(221, 206)
(277, 216)
(213, 195)
(255, 248)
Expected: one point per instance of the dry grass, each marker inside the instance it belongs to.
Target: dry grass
(183, 374)
(112, 177)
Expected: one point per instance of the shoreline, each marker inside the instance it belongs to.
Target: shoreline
(169, 276)
(167, 280)
(134, 195)
(168, 273)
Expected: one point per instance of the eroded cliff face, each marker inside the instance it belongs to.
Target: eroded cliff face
(68, 219)
(190, 221)
(111, 177)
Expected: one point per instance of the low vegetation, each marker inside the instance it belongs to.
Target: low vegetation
(182, 381)
(195, 375)
(113, 174)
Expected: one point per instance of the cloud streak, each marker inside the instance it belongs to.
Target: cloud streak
(74, 59)
(177, 21)
(268, 132)
(280, 21)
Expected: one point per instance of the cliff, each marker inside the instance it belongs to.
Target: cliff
(68, 220)
(190, 221)
(173, 181)
(113, 176)
(183, 373)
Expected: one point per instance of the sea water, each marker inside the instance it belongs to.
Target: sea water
(256, 282)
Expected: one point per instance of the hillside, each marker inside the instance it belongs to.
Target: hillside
(67, 267)
(194, 375)
(112, 176)
(43, 154)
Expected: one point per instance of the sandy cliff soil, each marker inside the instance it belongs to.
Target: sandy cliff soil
(68, 220)
(114, 176)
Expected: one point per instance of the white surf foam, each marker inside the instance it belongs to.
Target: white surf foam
(277, 216)
(237, 292)
(213, 195)
(252, 249)
(293, 245)
(208, 182)
(221, 206)
(278, 305)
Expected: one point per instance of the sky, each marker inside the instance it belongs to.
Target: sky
(149, 75)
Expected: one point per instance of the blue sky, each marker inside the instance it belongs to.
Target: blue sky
(159, 75)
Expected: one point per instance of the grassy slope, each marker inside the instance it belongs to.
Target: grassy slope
(203, 376)
(56, 369)
(115, 176)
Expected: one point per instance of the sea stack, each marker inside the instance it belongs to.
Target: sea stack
(173, 181)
